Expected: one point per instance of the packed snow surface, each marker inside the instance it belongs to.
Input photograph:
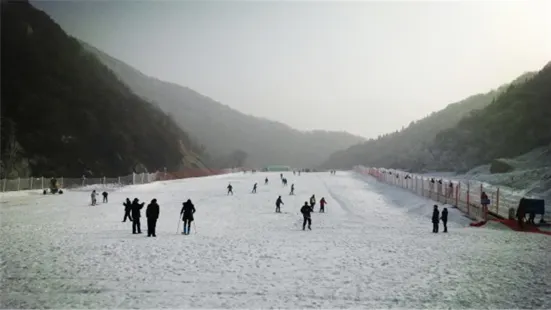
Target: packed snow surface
(372, 249)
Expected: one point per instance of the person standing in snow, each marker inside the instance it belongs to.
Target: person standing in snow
(230, 189)
(266, 181)
(444, 219)
(93, 196)
(322, 205)
(292, 189)
(313, 201)
(104, 194)
(254, 188)
(279, 202)
(127, 208)
(136, 207)
(306, 211)
(435, 219)
(188, 209)
(152, 214)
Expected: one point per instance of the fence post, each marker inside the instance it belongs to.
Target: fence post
(119, 180)
(457, 195)
(62, 185)
(133, 178)
(497, 201)
(31, 185)
(42, 182)
(104, 180)
(468, 198)
(4, 185)
(19, 183)
(422, 187)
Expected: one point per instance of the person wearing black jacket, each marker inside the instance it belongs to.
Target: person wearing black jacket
(104, 194)
(435, 219)
(136, 207)
(188, 209)
(444, 219)
(279, 202)
(152, 214)
(127, 208)
(306, 211)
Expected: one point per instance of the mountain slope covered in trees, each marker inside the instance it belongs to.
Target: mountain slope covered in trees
(412, 148)
(518, 121)
(65, 113)
(227, 133)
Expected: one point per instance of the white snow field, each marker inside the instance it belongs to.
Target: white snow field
(372, 249)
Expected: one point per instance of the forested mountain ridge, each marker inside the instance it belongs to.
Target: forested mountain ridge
(518, 121)
(412, 147)
(64, 113)
(225, 131)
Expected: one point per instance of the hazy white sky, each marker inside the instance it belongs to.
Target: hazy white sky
(364, 67)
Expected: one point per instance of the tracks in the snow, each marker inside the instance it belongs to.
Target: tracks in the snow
(343, 202)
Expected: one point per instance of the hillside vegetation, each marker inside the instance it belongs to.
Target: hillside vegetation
(412, 148)
(518, 121)
(226, 132)
(65, 114)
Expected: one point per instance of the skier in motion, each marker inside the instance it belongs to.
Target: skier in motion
(306, 211)
(254, 188)
(230, 189)
(292, 189)
(188, 209)
(322, 205)
(279, 202)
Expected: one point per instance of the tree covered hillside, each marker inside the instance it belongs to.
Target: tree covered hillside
(225, 131)
(518, 121)
(65, 113)
(412, 147)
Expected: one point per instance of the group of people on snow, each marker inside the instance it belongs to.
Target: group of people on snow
(132, 211)
(94, 194)
(436, 218)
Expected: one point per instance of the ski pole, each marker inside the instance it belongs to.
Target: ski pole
(178, 228)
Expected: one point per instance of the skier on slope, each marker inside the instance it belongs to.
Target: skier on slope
(230, 189)
(188, 209)
(292, 189)
(93, 196)
(127, 208)
(322, 205)
(266, 181)
(104, 194)
(313, 201)
(136, 207)
(444, 219)
(254, 188)
(306, 211)
(152, 214)
(435, 219)
(279, 202)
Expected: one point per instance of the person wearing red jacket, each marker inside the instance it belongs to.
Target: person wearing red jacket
(322, 205)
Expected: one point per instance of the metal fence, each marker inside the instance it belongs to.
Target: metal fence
(41, 183)
(465, 195)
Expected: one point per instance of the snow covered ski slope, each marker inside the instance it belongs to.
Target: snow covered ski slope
(372, 249)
